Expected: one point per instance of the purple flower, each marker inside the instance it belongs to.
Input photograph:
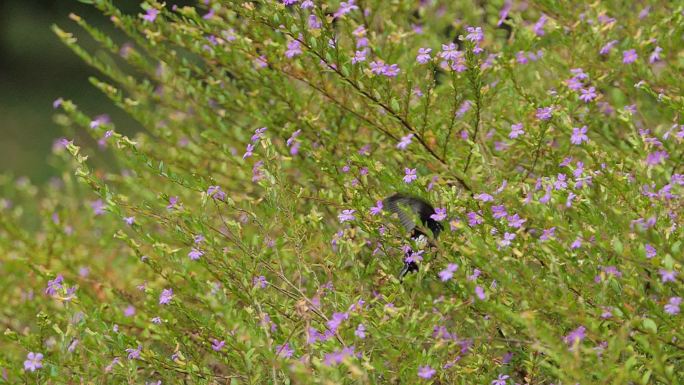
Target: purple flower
(405, 141)
(539, 25)
(516, 130)
(289, 2)
(156, 320)
(605, 50)
(392, 70)
(579, 135)
(449, 52)
(150, 15)
(501, 380)
(249, 152)
(515, 221)
(134, 354)
(484, 197)
(576, 336)
(657, 157)
(345, 8)
(672, 307)
(259, 282)
(448, 273)
(499, 211)
(98, 207)
(33, 361)
(480, 293)
(258, 134)
(507, 238)
(129, 220)
(667, 276)
(346, 215)
(166, 296)
(377, 209)
(359, 56)
(217, 345)
(129, 311)
(216, 193)
(100, 120)
(284, 351)
(410, 175)
(439, 215)
(54, 285)
(474, 34)
(655, 55)
(294, 48)
(474, 219)
(173, 203)
(548, 234)
(588, 94)
(544, 113)
(426, 372)
(338, 356)
(423, 55)
(195, 254)
(629, 56)
(314, 22)
(360, 331)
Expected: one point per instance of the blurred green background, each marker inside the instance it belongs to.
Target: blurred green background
(36, 69)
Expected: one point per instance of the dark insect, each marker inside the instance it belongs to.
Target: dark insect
(415, 206)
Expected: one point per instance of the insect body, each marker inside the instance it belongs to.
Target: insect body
(406, 207)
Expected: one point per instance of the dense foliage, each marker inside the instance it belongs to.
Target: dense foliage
(240, 237)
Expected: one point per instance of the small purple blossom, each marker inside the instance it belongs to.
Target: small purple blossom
(629, 56)
(544, 113)
(474, 34)
(377, 209)
(33, 361)
(605, 50)
(284, 351)
(672, 307)
(548, 234)
(405, 141)
(360, 331)
(150, 15)
(480, 293)
(345, 8)
(539, 25)
(98, 207)
(54, 285)
(410, 175)
(588, 94)
(655, 55)
(576, 336)
(439, 215)
(484, 197)
(359, 56)
(426, 372)
(166, 296)
(294, 48)
(516, 130)
(423, 55)
(346, 215)
(217, 345)
(579, 135)
(448, 273)
(134, 354)
(501, 380)
(507, 238)
(195, 254)
(216, 193)
(667, 275)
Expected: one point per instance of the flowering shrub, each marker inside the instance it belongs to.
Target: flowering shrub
(240, 237)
